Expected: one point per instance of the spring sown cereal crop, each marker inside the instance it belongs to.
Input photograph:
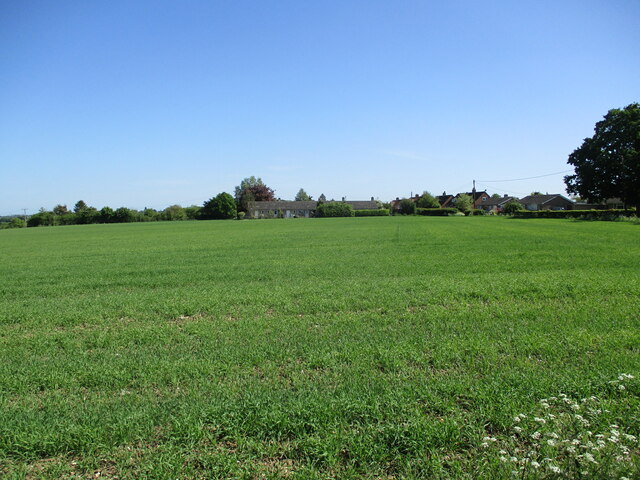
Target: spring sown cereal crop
(351, 348)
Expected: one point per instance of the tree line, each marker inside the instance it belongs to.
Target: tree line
(221, 206)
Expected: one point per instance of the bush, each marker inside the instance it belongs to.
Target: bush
(407, 207)
(437, 212)
(174, 213)
(87, 215)
(512, 207)
(334, 209)
(427, 201)
(220, 207)
(16, 222)
(192, 212)
(478, 211)
(241, 215)
(582, 214)
(41, 219)
(464, 203)
(381, 212)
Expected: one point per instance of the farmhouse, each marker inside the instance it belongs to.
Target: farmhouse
(292, 209)
(547, 202)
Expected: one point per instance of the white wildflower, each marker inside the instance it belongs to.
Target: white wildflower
(535, 464)
(535, 435)
(551, 443)
(621, 387)
(590, 458)
(484, 445)
(631, 438)
(542, 421)
(513, 459)
(554, 469)
(517, 429)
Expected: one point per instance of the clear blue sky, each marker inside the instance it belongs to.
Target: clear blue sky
(151, 103)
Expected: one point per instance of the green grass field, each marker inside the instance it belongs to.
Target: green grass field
(317, 348)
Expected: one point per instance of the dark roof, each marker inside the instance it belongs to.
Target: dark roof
(362, 204)
(542, 199)
(497, 201)
(444, 200)
(308, 205)
(283, 205)
(475, 196)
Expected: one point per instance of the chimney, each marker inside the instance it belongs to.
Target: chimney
(505, 195)
(397, 199)
(343, 198)
(372, 199)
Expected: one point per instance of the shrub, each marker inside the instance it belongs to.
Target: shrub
(511, 207)
(241, 215)
(192, 212)
(427, 201)
(41, 219)
(407, 207)
(437, 212)
(16, 222)
(87, 215)
(334, 209)
(381, 212)
(174, 212)
(464, 203)
(478, 211)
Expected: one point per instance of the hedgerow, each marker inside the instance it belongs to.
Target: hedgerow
(381, 212)
(583, 214)
(437, 212)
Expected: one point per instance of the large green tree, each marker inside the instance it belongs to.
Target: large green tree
(607, 165)
(220, 207)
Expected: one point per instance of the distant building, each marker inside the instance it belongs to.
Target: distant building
(495, 204)
(547, 202)
(292, 209)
